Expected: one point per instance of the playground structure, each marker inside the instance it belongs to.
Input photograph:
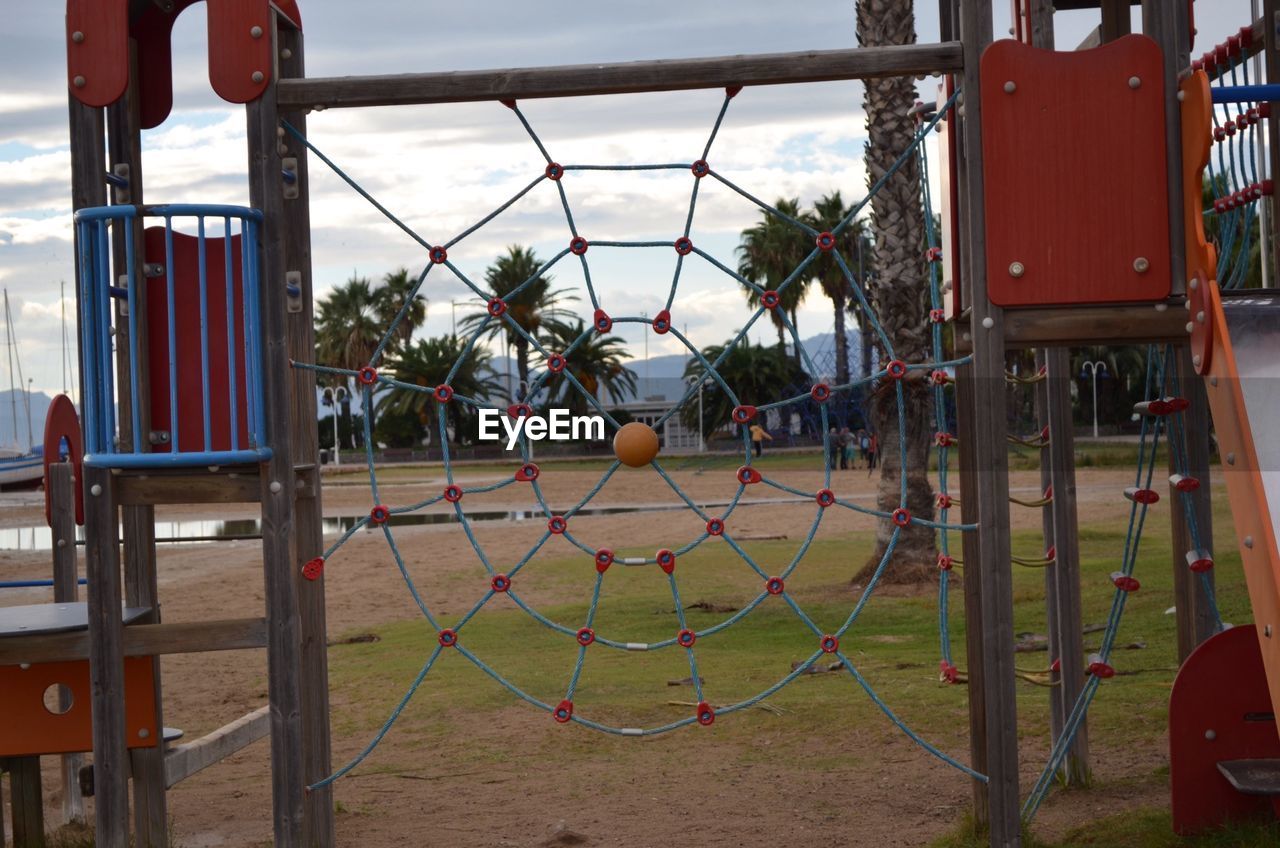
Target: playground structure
(227, 311)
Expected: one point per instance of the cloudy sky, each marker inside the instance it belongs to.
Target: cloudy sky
(441, 168)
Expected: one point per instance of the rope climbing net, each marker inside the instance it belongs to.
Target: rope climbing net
(450, 635)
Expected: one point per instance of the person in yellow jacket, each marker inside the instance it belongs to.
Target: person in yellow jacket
(758, 435)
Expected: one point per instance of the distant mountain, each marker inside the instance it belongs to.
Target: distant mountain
(39, 407)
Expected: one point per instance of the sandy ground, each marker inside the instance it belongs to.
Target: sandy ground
(658, 799)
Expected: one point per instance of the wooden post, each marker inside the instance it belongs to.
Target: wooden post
(295, 224)
(991, 459)
(62, 526)
(1195, 618)
(1115, 20)
(279, 548)
(27, 804)
(1270, 12)
(124, 136)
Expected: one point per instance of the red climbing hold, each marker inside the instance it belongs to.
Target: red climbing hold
(313, 569)
(820, 392)
(743, 414)
(686, 637)
(367, 375)
(604, 559)
(500, 583)
(945, 562)
(829, 644)
(825, 497)
(557, 524)
(554, 172)
(684, 246)
(706, 715)
(527, 473)
(1125, 582)
(1142, 496)
(563, 712)
(439, 255)
(748, 475)
(662, 322)
(578, 245)
(448, 637)
(452, 493)
(666, 560)
(379, 514)
(603, 323)
(901, 516)
(443, 393)
(555, 363)
(715, 527)
(497, 306)
(586, 636)
(774, 586)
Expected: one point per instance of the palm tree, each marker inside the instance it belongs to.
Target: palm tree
(596, 363)
(427, 363)
(390, 298)
(757, 374)
(534, 305)
(347, 332)
(900, 294)
(827, 215)
(768, 253)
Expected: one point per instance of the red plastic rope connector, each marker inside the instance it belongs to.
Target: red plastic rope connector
(554, 171)
(821, 392)
(947, 672)
(497, 306)
(666, 560)
(945, 562)
(825, 242)
(519, 410)
(825, 497)
(901, 516)
(443, 393)
(748, 475)
(379, 514)
(683, 245)
(933, 254)
(1142, 496)
(578, 245)
(448, 637)
(686, 637)
(700, 168)
(452, 493)
(770, 299)
(743, 414)
(439, 255)
(937, 316)
(1183, 483)
(940, 377)
(367, 375)
(731, 91)
(1125, 582)
(1099, 669)
(943, 440)
(829, 644)
(774, 585)
(715, 527)
(662, 322)
(1199, 561)
(586, 636)
(943, 500)
(527, 473)
(313, 569)
(604, 559)
(557, 524)
(706, 715)
(555, 363)
(500, 583)
(510, 104)
(563, 712)
(603, 323)
(896, 369)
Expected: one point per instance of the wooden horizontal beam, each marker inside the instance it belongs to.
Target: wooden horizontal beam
(188, 487)
(619, 77)
(185, 760)
(1081, 326)
(141, 640)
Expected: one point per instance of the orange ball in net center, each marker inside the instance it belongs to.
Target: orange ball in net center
(635, 444)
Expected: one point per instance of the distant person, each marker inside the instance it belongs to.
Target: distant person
(758, 435)
(873, 453)
(864, 445)
(833, 447)
(846, 448)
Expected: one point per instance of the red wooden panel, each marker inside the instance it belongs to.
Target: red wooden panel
(61, 422)
(1074, 160)
(1219, 710)
(27, 728)
(289, 8)
(239, 62)
(186, 271)
(97, 50)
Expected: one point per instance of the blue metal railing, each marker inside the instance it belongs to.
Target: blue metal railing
(220, 422)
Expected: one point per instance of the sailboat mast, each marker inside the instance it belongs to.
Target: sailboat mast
(8, 346)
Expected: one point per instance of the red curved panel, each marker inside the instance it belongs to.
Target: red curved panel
(61, 422)
(289, 9)
(97, 50)
(1074, 167)
(239, 61)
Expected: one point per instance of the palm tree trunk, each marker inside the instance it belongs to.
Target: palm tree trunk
(795, 354)
(900, 295)
(842, 342)
(522, 361)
